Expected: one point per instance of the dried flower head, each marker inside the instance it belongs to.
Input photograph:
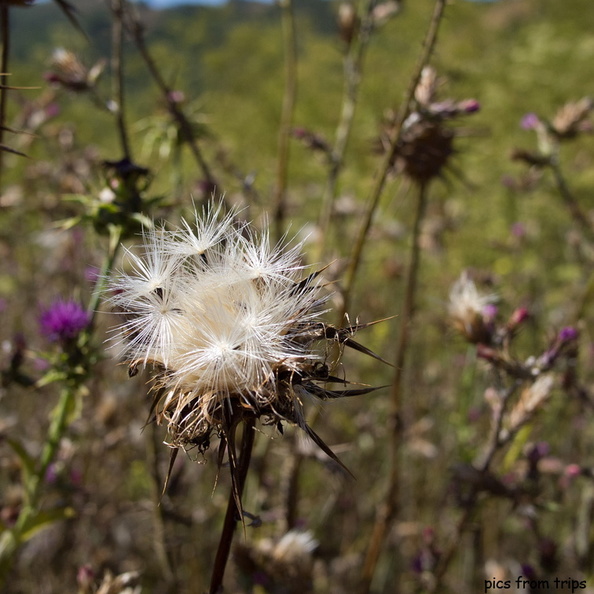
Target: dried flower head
(471, 312)
(572, 118)
(426, 143)
(283, 565)
(348, 22)
(69, 72)
(231, 326)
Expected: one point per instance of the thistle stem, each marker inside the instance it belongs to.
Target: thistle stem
(388, 510)
(570, 201)
(118, 74)
(185, 127)
(233, 514)
(5, 27)
(12, 539)
(353, 67)
(289, 98)
(381, 177)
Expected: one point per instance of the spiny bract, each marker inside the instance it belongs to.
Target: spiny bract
(230, 323)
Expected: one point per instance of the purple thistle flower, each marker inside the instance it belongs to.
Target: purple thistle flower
(63, 320)
(568, 334)
(530, 121)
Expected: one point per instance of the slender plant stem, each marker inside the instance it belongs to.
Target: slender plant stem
(233, 514)
(117, 62)
(10, 540)
(286, 122)
(381, 177)
(185, 127)
(570, 201)
(159, 541)
(5, 26)
(495, 443)
(388, 510)
(353, 70)
(115, 236)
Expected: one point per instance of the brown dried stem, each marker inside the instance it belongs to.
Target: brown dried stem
(353, 67)
(288, 108)
(233, 514)
(117, 63)
(495, 443)
(4, 16)
(388, 510)
(570, 201)
(381, 177)
(136, 30)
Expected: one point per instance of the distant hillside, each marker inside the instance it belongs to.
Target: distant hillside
(44, 24)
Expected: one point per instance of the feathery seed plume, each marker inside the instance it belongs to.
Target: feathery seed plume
(231, 325)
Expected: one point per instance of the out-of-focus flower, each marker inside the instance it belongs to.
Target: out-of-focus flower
(348, 22)
(428, 554)
(572, 118)
(85, 577)
(285, 563)
(530, 121)
(229, 323)
(311, 140)
(532, 399)
(382, 12)
(470, 311)
(64, 320)
(125, 583)
(562, 343)
(426, 143)
(69, 72)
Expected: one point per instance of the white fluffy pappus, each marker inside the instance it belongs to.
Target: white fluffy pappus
(224, 317)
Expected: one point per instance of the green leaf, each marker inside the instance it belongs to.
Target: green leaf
(44, 519)
(27, 461)
(53, 375)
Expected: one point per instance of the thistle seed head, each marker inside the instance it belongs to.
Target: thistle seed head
(230, 324)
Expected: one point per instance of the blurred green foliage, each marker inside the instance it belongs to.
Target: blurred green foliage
(513, 56)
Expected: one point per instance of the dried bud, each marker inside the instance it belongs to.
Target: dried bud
(471, 313)
(532, 399)
(311, 140)
(286, 563)
(348, 22)
(70, 73)
(384, 11)
(427, 88)
(518, 317)
(84, 578)
(571, 119)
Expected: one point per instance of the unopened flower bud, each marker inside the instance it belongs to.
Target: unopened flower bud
(348, 22)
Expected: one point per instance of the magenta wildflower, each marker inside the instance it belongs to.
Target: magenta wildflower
(530, 121)
(567, 334)
(63, 320)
